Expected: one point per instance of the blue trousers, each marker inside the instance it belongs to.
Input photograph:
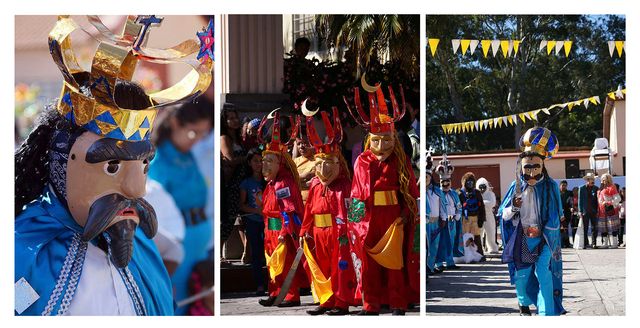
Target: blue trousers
(433, 238)
(445, 251)
(545, 302)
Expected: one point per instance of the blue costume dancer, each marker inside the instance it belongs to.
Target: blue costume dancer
(530, 215)
(436, 205)
(83, 229)
(451, 228)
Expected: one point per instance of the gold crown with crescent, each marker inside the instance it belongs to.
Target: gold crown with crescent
(87, 96)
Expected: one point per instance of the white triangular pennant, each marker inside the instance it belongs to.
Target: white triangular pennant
(455, 43)
(504, 120)
(476, 124)
(585, 102)
(495, 46)
(510, 47)
(514, 119)
(559, 46)
(543, 44)
(474, 45)
(612, 46)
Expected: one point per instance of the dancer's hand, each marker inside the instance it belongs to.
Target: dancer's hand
(517, 202)
(281, 239)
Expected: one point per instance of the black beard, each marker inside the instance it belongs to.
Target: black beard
(104, 210)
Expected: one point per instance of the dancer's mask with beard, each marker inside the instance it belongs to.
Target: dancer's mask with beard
(105, 183)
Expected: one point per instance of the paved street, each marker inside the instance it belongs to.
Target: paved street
(594, 284)
(247, 304)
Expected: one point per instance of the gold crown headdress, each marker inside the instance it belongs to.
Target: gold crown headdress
(115, 60)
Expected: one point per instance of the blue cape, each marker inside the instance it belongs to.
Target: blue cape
(43, 234)
(550, 209)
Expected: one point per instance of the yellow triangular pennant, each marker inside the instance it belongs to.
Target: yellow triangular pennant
(567, 48)
(465, 45)
(486, 44)
(522, 117)
(570, 105)
(516, 45)
(504, 45)
(551, 44)
(619, 45)
(433, 45)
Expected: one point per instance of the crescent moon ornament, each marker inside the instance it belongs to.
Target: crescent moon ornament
(366, 86)
(306, 111)
(273, 112)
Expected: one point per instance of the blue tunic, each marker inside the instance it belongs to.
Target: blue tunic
(178, 173)
(550, 210)
(43, 234)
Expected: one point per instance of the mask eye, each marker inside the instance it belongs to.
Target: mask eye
(112, 168)
(145, 166)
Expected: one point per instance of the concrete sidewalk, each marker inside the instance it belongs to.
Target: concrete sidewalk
(594, 284)
(247, 304)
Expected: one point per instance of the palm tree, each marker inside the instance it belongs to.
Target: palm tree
(373, 38)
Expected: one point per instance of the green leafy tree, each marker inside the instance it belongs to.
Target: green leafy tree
(471, 87)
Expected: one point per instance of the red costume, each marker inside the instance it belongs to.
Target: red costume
(325, 219)
(282, 210)
(379, 284)
(387, 249)
(276, 225)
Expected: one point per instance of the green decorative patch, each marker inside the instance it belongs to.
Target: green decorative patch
(356, 211)
(343, 240)
(416, 239)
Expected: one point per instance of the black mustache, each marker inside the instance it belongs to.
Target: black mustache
(529, 177)
(105, 208)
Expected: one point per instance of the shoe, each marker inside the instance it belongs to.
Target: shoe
(289, 304)
(337, 311)
(365, 312)
(317, 311)
(267, 302)
(437, 270)
(305, 291)
(397, 312)
(594, 246)
(524, 311)
(483, 259)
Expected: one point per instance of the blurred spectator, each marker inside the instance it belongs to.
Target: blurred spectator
(250, 133)
(201, 280)
(232, 156)
(301, 47)
(175, 168)
(251, 205)
(305, 163)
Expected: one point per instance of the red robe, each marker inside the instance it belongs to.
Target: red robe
(272, 207)
(381, 285)
(331, 243)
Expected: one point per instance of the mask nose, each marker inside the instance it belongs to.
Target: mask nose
(134, 180)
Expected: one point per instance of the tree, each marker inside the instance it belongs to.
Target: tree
(471, 87)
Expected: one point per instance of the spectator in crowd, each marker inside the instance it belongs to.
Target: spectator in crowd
(305, 164)
(588, 207)
(251, 206)
(608, 217)
(301, 47)
(575, 218)
(623, 216)
(232, 157)
(201, 282)
(175, 168)
(489, 227)
(566, 197)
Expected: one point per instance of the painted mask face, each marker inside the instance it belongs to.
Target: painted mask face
(483, 187)
(381, 145)
(105, 184)
(445, 184)
(470, 184)
(327, 168)
(532, 169)
(270, 166)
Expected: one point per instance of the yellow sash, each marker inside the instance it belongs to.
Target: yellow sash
(275, 262)
(385, 197)
(320, 284)
(322, 220)
(388, 251)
